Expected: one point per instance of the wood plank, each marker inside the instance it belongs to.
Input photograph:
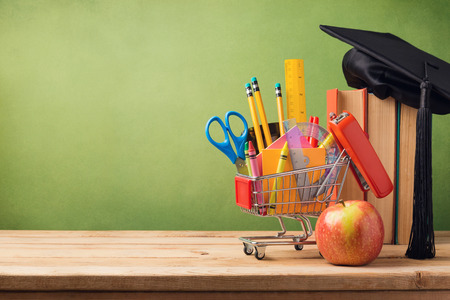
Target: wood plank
(205, 261)
(335, 295)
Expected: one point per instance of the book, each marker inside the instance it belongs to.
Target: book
(382, 131)
(355, 102)
(405, 180)
(391, 128)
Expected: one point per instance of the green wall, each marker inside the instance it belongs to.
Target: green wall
(103, 104)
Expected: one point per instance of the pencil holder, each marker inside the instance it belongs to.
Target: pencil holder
(274, 129)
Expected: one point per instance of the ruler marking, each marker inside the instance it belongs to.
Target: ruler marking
(295, 87)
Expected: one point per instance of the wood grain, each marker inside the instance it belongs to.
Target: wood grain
(335, 295)
(194, 261)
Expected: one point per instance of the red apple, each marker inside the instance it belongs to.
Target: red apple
(350, 233)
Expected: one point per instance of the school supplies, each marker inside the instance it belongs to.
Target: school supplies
(304, 157)
(315, 157)
(280, 168)
(237, 157)
(279, 191)
(355, 102)
(279, 107)
(321, 135)
(294, 139)
(279, 143)
(286, 191)
(262, 112)
(247, 159)
(274, 130)
(290, 123)
(256, 173)
(295, 89)
(288, 204)
(311, 119)
(256, 128)
(312, 140)
(252, 159)
(327, 142)
(405, 132)
(366, 161)
(382, 132)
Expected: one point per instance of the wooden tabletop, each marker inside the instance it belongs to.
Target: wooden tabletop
(170, 262)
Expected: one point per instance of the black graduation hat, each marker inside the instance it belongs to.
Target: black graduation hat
(388, 66)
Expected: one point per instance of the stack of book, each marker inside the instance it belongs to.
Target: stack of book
(388, 125)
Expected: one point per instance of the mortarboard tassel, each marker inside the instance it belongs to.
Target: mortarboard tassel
(421, 239)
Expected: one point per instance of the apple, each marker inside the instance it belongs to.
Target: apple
(350, 233)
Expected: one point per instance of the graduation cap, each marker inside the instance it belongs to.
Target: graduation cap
(388, 66)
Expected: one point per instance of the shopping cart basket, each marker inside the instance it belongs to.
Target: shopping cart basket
(297, 195)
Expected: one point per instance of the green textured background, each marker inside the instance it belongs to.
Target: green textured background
(103, 104)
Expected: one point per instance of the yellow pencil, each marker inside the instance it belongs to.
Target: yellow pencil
(279, 107)
(327, 141)
(262, 112)
(278, 181)
(251, 104)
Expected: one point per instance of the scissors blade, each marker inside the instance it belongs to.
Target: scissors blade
(241, 166)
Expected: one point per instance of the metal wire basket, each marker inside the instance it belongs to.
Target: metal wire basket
(297, 195)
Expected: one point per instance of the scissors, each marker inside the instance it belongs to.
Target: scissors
(238, 157)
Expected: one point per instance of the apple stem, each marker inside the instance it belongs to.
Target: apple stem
(342, 202)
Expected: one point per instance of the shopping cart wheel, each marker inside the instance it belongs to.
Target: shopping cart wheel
(248, 249)
(260, 254)
(298, 247)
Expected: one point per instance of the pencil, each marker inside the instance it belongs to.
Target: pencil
(251, 104)
(279, 107)
(280, 168)
(262, 112)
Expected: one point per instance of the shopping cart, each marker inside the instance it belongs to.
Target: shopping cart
(297, 195)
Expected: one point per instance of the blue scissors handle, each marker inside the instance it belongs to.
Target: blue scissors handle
(225, 146)
(239, 141)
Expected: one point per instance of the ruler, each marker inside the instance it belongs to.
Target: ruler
(296, 141)
(299, 161)
(324, 138)
(295, 89)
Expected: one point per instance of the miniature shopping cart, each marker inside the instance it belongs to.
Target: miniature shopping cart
(295, 195)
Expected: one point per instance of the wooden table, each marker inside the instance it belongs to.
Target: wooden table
(207, 265)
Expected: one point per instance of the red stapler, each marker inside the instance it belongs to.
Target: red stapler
(366, 166)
